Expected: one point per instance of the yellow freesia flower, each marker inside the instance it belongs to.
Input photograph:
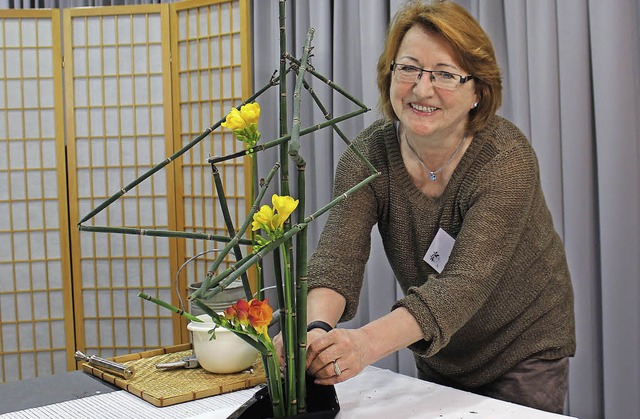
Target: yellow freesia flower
(263, 219)
(284, 206)
(250, 113)
(234, 120)
(271, 219)
(244, 123)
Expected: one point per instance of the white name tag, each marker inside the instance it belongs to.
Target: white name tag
(439, 250)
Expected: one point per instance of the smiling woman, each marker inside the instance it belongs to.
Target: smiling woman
(457, 181)
(433, 113)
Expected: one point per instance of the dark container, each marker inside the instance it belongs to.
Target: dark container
(322, 403)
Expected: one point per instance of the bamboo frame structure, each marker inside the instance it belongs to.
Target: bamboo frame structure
(291, 273)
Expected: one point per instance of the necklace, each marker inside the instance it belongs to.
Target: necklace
(432, 174)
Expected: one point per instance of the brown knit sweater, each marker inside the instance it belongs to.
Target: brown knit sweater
(505, 294)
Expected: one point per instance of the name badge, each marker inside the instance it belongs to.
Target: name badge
(438, 253)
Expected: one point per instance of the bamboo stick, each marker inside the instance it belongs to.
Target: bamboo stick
(284, 138)
(160, 233)
(284, 182)
(166, 305)
(294, 319)
(222, 198)
(329, 83)
(338, 131)
(301, 295)
(236, 270)
(168, 160)
(224, 252)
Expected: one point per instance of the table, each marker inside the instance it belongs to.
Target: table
(374, 393)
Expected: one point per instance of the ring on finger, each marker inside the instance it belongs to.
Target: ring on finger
(336, 368)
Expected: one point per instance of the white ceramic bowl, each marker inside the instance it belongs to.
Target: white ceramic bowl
(225, 354)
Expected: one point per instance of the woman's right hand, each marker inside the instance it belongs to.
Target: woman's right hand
(312, 335)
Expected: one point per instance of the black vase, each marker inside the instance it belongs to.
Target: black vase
(322, 403)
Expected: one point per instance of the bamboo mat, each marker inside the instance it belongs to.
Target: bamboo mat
(166, 388)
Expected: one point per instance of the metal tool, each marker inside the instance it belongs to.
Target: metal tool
(186, 362)
(106, 365)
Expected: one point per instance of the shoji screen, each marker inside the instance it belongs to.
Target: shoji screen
(118, 102)
(35, 295)
(212, 75)
(139, 83)
(143, 81)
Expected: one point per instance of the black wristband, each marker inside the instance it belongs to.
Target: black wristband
(319, 324)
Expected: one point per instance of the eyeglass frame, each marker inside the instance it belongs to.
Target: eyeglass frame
(463, 79)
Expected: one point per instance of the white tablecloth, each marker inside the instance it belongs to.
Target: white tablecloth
(373, 394)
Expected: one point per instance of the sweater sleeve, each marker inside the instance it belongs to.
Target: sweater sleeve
(500, 204)
(344, 246)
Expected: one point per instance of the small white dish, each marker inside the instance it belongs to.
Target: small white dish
(225, 354)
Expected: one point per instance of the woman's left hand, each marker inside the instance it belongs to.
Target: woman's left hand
(338, 355)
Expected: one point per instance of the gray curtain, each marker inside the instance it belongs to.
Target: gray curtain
(572, 85)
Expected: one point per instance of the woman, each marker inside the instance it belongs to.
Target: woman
(488, 303)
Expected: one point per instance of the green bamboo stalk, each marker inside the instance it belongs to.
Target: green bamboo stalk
(301, 295)
(166, 305)
(328, 82)
(222, 199)
(254, 185)
(285, 138)
(219, 283)
(284, 115)
(160, 233)
(284, 174)
(294, 147)
(340, 198)
(225, 251)
(296, 389)
(289, 342)
(282, 307)
(168, 160)
(337, 130)
(277, 270)
(232, 273)
(275, 386)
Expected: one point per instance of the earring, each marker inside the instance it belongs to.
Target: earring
(475, 105)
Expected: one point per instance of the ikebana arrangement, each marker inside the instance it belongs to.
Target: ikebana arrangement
(272, 231)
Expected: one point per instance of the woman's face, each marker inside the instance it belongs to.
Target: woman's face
(424, 110)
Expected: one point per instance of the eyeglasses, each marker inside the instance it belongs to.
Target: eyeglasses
(441, 79)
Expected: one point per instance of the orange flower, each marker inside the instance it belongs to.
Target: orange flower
(242, 309)
(230, 313)
(260, 314)
(238, 312)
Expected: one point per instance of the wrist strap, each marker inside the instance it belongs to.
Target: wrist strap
(319, 324)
